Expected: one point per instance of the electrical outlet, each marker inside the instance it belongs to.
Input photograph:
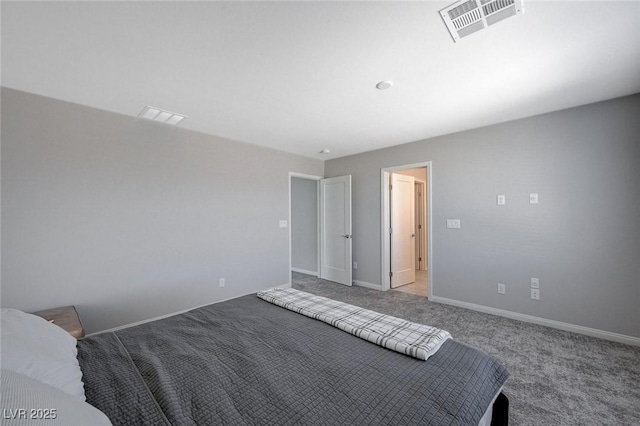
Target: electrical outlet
(355, 265)
(502, 200)
(453, 223)
(221, 282)
(502, 289)
(535, 294)
(535, 283)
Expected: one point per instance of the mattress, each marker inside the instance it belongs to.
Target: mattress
(248, 362)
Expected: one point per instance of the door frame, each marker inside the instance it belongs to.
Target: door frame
(385, 241)
(424, 220)
(317, 179)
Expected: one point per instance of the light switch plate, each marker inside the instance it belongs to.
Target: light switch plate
(283, 224)
(535, 283)
(533, 198)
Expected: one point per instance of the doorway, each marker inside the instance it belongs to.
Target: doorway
(415, 246)
(403, 233)
(304, 231)
(320, 227)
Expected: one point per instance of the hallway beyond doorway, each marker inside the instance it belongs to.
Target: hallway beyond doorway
(419, 287)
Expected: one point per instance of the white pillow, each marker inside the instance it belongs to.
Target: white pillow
(43, 351)
(28, 402)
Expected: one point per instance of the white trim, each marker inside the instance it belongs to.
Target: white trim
(367, 285)
(384, 214)
(121, 327)
(304, 271)
(317, 179)
(425, 219)
(385, 267)
(285, 285)
(593, 332)
(304, 176)
(429, 188)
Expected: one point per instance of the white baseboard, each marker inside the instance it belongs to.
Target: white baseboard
(304, 271)
(286, 285)
(593, 332)
(367, 285)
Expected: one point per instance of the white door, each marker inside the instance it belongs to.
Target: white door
(402, 230)
(335, 229)
(420, 227)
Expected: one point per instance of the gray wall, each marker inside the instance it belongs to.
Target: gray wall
(304, 224)
(128, 219)
(582, 240)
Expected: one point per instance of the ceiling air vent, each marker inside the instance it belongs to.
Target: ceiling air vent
(161, 115)
(469, 16)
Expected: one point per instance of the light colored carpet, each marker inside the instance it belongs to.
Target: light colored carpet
(557, 377)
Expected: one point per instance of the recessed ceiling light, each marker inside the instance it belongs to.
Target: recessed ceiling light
(325, 151)
(157, 114)
(384, 85)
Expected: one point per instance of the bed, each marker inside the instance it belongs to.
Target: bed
(249, 362)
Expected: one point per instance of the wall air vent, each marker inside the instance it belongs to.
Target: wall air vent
(466, 17)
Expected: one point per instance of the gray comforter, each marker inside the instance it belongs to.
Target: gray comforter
(245, 362)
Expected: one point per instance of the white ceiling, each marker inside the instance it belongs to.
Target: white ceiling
(301, 76)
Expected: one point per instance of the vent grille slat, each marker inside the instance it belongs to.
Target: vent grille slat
(496, 6)
(462, 9)
(467, 19)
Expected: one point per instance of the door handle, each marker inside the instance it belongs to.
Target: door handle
(347, 236)
(413, 235)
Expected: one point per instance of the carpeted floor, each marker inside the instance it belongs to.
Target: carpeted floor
(557, 377)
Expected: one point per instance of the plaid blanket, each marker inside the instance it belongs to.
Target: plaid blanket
(416, 340)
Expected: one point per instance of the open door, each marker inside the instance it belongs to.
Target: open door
(335, 230)
(403, 235)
